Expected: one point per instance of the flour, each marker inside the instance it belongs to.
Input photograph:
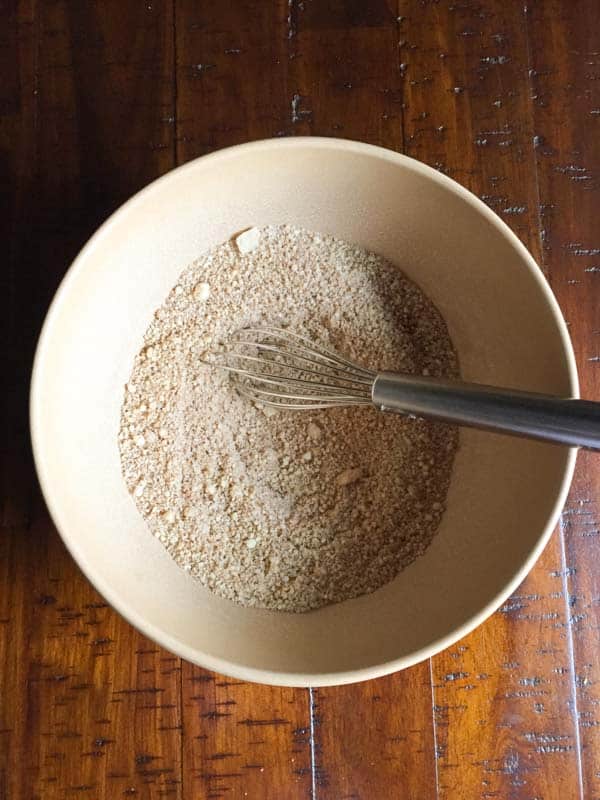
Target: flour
(281, 509)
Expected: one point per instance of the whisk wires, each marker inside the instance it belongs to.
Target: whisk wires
(282, 369)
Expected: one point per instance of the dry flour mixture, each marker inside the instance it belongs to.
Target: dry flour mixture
(281, 509)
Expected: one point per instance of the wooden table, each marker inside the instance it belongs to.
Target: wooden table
(100, 97)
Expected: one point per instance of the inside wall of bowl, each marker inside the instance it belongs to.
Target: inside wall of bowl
(503, 490)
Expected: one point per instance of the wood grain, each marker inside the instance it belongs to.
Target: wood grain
(96, 100)
(340, 83)
(232, 70)
(244, 740)
(98, 709)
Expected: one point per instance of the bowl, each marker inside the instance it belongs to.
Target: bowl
(505, 493)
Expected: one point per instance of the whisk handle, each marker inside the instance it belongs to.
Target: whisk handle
(554, 419)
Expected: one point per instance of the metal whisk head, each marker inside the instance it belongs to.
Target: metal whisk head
(276, 367)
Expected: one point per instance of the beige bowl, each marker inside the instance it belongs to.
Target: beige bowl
(505, 494)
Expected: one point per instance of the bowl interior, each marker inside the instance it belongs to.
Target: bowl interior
(507, 330)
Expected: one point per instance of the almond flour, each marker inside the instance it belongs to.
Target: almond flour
(280, 509)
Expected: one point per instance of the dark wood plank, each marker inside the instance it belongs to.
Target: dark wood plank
(375, 738)
(345, 81)
(88, 702)
(505, 725)
(344, 77)
(565, 47)
(468, 110)
(241, 740)
(232, 74)
(87, 120)
(88, 707)
(18, 112)
(503, 700)
(244, 740)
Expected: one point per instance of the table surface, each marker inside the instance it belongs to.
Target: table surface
(96, 100)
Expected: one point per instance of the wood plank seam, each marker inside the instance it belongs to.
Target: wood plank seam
(434, 726)
(312, 742)
(175, 159)
(540, 219)
(174, 79)
(571, 653)
(292, 20)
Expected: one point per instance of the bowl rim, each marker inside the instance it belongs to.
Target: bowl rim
(164, 638)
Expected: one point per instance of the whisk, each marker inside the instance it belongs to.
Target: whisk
(282, 369)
